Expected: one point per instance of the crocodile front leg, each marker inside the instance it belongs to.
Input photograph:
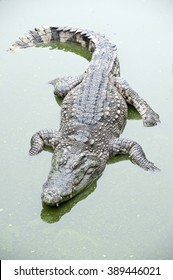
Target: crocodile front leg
(43, 138)
(134, 150)
(150, 118)
(63, 85)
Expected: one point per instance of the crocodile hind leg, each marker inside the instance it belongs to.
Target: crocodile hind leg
(134, 150)
(43, 138)
(150, 118)
(63, 85)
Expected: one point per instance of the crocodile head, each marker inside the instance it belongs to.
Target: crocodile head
(72, 171)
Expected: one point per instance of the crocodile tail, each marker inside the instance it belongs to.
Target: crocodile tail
(46, 34)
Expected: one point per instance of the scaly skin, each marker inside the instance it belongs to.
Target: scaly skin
(93, 114)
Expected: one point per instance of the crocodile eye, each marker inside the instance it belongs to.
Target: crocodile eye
(90, 170)
(78, 161)
(74, 165)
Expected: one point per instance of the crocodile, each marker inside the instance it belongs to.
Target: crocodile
(93, 115)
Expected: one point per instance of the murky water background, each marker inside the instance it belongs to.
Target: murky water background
(129, 213)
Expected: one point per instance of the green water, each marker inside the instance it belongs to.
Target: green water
(128, 213)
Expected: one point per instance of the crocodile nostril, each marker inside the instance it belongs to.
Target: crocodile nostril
(51, 197)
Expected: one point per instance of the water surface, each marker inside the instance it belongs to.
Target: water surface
(128, 214)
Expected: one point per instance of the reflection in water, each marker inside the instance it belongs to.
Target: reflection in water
(54, 214)
(68, 47)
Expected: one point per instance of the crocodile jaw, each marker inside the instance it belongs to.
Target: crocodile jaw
(67, 180)
(61, 190)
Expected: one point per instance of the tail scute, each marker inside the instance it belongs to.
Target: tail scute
(47, 34)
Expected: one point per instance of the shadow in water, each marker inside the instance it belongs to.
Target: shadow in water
(68, 47)
(51, 214)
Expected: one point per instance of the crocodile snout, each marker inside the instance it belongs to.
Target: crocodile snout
(51, 197)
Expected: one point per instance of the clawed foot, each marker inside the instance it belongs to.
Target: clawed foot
(150, 118)
(37, 145)
(143, 162)
(151, 167)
